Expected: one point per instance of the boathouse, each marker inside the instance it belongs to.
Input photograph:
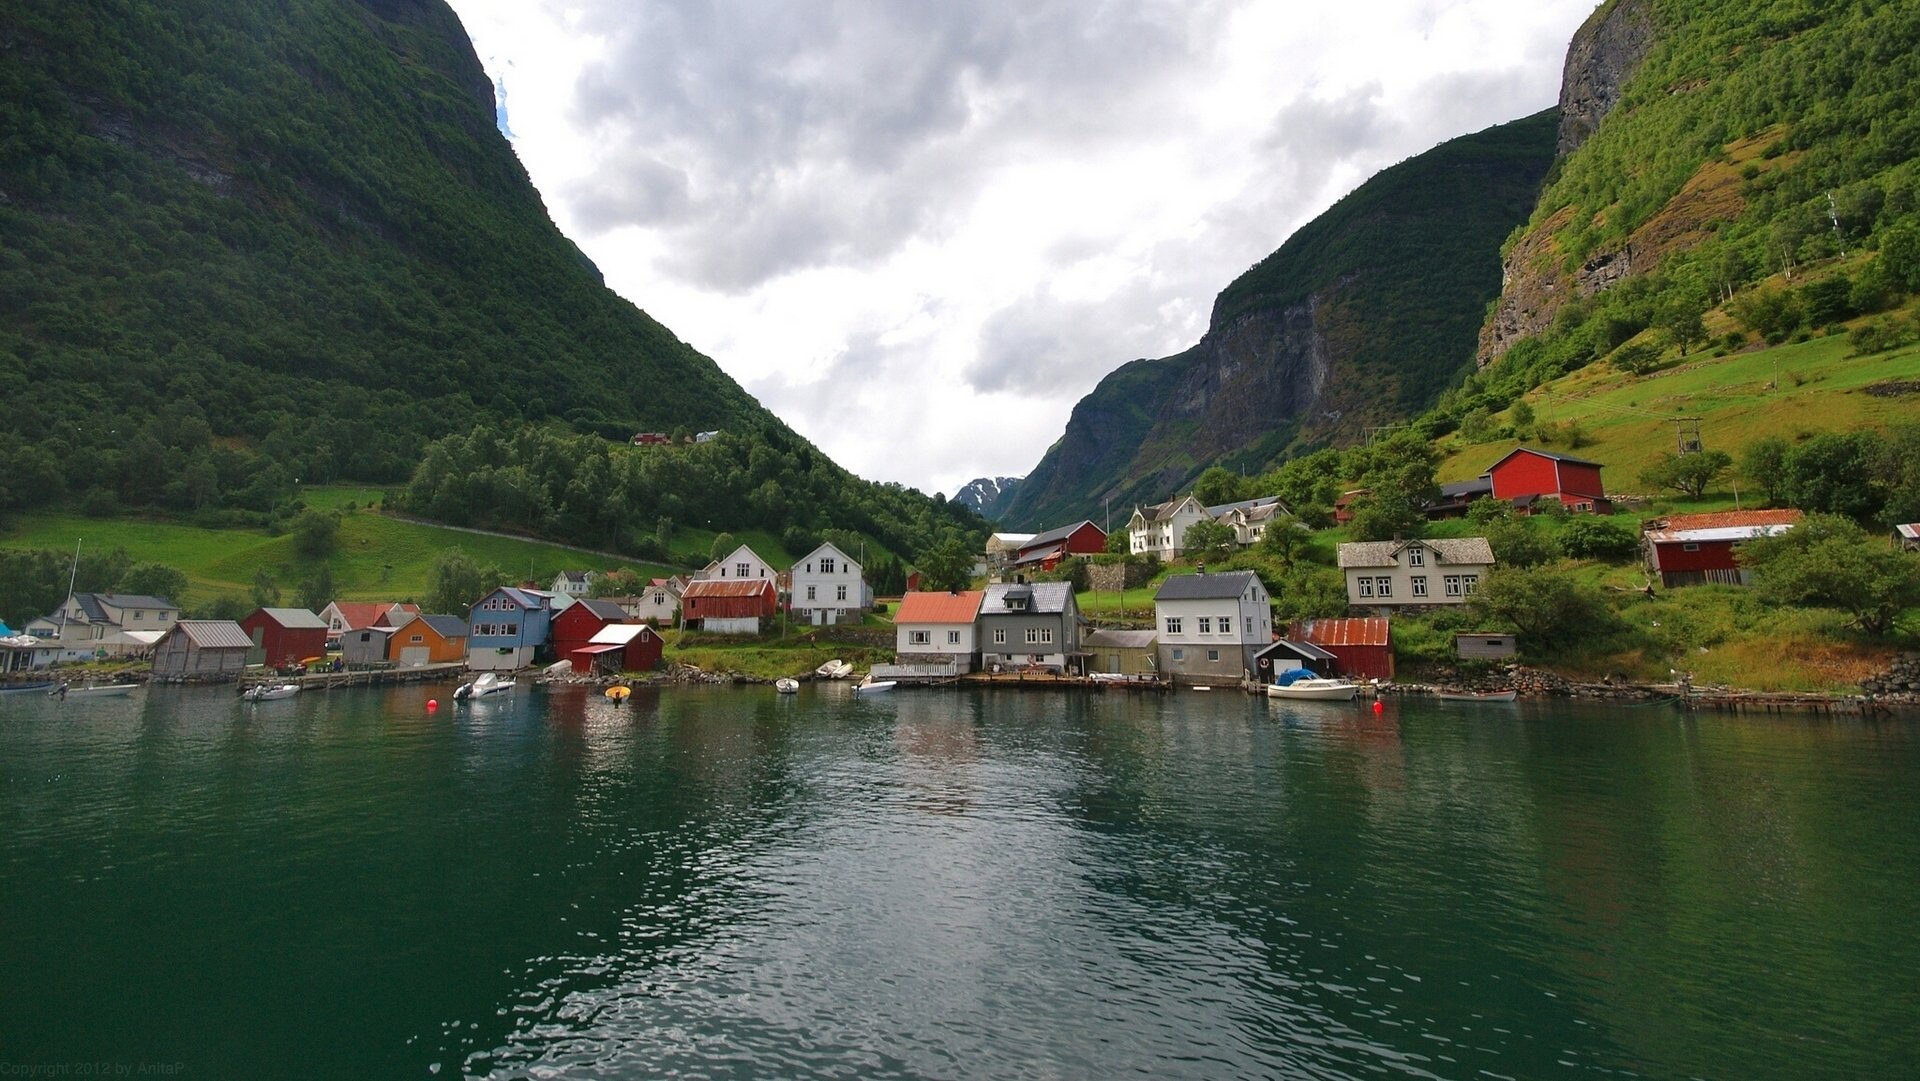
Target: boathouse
(428, 639)
(616, 648)
(202, 649)
(1361, 648)
(283, 637)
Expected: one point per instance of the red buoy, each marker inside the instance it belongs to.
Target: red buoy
(1379, 706)
(432, 704)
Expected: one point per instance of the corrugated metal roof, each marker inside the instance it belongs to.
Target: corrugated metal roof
(619, 634)
(1911, 532)
(1051, 535)
(214, 633)
(1204, 587)
(1372, 631)
(707, 588)
(1723, 519)
(927, 607)
(296, 619)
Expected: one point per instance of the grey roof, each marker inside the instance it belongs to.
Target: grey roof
(214, 633)
(1120, 639)
(90, 607)
(132, 600)
(1244, 504)
(296, 618)
(1299, 649)
(446, 626)
(603, 607)
(1204, 587)
(1463, 550)
(1467, 487)
(1052, 535)
(1048, 597)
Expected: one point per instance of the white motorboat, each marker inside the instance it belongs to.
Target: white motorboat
(872, 686)
(834, 669)
(98, 690)
(786, 685)
(1297, 684)
(273, 692)
(488, 684)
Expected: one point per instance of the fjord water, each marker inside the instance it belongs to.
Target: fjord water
(721, 883)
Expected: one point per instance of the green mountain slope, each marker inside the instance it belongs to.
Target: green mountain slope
(1362, 317)
(296, 222)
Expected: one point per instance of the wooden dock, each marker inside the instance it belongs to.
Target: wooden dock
(361, 677)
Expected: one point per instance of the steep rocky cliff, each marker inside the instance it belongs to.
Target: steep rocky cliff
(1361, 317)
(1604, 52)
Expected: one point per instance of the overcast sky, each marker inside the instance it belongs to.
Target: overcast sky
(920, 232)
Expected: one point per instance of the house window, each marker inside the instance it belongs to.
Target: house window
(826, 566)
(1383, 586)
(1416, 557)
(1689, 547)
(1452, 584)
(999, 636)
(1046, 636)
(1206, 625)
(1179, 654)
(417, 638)
(917, 638)
(1366, 586)
(953, 638)
(139, 615)
(1033, 636)
(1213, 654)
(1419, 585)
(1249, 624)
(842, 594)
(1173, 624)
(1470, 582)
(742, 570)
(809, 592)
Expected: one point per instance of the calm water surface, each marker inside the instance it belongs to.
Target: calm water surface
(723, 884)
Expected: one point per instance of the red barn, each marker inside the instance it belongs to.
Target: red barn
(575, 625)
(284, 636)
(728, 605)
(1693, 549)
(1526, 476)
(618, 647)
(1046, 550)
(1361, 648)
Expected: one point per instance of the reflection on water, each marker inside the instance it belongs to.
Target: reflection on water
(730, 883)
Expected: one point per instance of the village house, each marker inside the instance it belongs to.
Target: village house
(1122, 652)
(1361, 648)
(106, 624)
(1525, 476)
(1161, 530)
(428, 639)
(508, 628)
(573, 585)
(1044, 551)
(617, 648)
(1906, 537)
(25, 653)
(741, 563)
(733, 606)
(658, 603)
(1030, 626)
(214, 649)
(576, 624)
(344, 616)
(1251, 518)
(938, 629)
(1457, 496)
(1695, 549)
(829, 587)
(283, 637)
(1000, 551)
(1211, 626)
(369, 647)
(1405, 573)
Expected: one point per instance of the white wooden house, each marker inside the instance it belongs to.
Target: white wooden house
(828, 588)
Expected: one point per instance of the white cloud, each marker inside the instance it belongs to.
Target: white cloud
(920, 232)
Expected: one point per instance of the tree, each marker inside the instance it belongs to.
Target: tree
(154, 580)
(1522, 417)
(1284, 542)
(1208, 540)
(1639, 358)
(1597, 538)
(456, 580)
(315, 533)
(265, 592)
(947, 565)
(1688, 474)
(1828, 561)
(723, 546)
(317, 592)
(1219, 485)
(617, 583)
(1386, 515)
(1682, 322)
(1832, 473)
(1118, 542)
(1764, 463)
(1544, 607)
(1518, 542)
(1308, 591)
(1771, 313)
(1900, 254)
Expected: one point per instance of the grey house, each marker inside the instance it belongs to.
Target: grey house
(1037, 625)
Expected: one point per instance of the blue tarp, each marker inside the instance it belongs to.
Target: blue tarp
(1286, 678)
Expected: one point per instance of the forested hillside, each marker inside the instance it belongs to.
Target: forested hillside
(250, 243)
(1361, 317)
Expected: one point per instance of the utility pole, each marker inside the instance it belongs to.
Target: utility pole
(1686, 436)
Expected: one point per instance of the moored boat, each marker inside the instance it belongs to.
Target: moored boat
(270, 692)
(487, 684)
(21, 688)
(98, 690)
(834, 669)
(1476, 696)
(873, 686)
(1301, 685)
(786, 685)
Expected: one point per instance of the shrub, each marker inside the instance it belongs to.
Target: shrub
(1597, 538)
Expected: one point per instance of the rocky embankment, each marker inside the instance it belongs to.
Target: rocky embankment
(1899, 683)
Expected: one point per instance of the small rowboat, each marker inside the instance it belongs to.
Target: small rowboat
(1476, 696)
(834, 669)
(875, 686)
(619, 695)
(101, 690)
(786, 685)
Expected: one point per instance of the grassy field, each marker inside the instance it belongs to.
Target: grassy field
(1794, 390)
(377, 557)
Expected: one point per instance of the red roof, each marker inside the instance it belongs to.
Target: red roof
(727, 587)
(1727, 519)
(363, 614)
(938, 607)
(1343, 632)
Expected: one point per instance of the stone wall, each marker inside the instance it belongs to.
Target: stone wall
(1899, 683)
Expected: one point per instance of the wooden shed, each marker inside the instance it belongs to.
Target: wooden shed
(1484, 646)
(366, 646)
(1125, 653)
(729, 606)
(428, 639)
(616, 648)
(283, 637)
(1362, 648)
(1287, 654)
(203, 649)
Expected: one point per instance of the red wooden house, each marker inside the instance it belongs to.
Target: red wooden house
(619, 647)
(1361, 648)
(1526, 476)
(1046, 550)
(575, 625)
(1693, 549)
(284, 636)
(728, 605)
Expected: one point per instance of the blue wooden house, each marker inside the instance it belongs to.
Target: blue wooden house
(508, 627)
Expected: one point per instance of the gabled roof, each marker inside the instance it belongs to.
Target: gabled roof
(213, 633)
(602, 607)
(826, 546)
(1048, 598)
(1467, 551)
(619, 634)
(675, 583)
(1726, 525)
(1112, 639)
(359, 615)
(939, 607)
(1204, 587)
(445, 626)
(1567, 458)
(526, 598)
(576, 576)
(1053, 535)
(295, 618)
(728, 587)
(1342, 632)
(1909, 531)
(1297, 648)
(1481, 485)
(1244, 504)
(1161, 511)
(134, 600)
